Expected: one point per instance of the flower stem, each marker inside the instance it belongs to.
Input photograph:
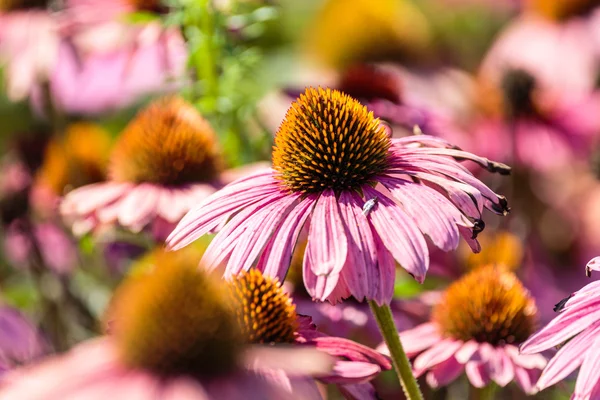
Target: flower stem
(388, 330)
(484, 393)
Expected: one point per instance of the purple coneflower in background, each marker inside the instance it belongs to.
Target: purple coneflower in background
(164, 163)
(370, 199)
(577, 330)
(476, 328)
(20, 341)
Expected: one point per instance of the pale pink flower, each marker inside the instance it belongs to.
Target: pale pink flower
(576, 329)
(29, 42)
(476, 329)
(164, 163)
(369, 199)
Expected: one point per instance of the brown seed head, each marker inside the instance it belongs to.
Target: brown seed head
(264, 311)
(171, 318)
(168, 143)
(329, 140)
(488, 305)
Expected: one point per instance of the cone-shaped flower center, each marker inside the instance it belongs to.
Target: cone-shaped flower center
(79, 159)
(173, 319)
(264, 311)
(518, 86)
(329, 140)
(167, 143)
(488, 305)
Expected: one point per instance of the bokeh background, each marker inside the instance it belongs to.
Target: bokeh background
(514, 81)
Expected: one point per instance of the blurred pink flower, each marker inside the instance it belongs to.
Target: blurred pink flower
(165, 161)
(476, 328)
(356, 231)
(20, 341)
(29, 43)
(58, 251)
(152, 61)
(576, 329)
(94, 370)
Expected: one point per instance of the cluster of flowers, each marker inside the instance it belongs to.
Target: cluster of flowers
(281, 279)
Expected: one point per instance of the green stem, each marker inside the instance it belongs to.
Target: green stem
(485, 393)
(385, 321)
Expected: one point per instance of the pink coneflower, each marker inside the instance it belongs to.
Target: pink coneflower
(267, 315)
(175, 334)
(164, 162)
(576, 328)
(370, 199)
(476, 328)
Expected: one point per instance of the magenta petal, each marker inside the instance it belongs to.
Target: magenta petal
(276, 257)
(224, 242)
(327, 247)
(563, 327)
(399, 234)
(361, 264)
(420, 338)
(588, 379)
(568, 358)
(352, 372)
(138, 206)
(526, 379)
(593, 265)
(229, 200)
(383, 291)
(435, 216)
(260, 228)
(437, 354)
(477, 374)
(444, 373)
(502, 369)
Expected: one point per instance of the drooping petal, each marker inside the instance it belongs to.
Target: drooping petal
(568, 358)
(437, 354)
(434, 214)
(276, 257)
(261, 227)
(327, 247)
(399, 234)
(444, 373)
(229, 200)
(477, 373)
(361, 267)
(588, 379)
(358, 391)
(383, 291)
(526, 379)
(420, 338)
(501, 367)
(564, 326)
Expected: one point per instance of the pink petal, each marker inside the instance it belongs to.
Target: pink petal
(444, 373)
(568, 358)
(566, 325)
(437, 354)
(89, 198)
(399, 234)
(260, 228)
(588, 379)
(467, 351)
(229, 200)
(420, 338)
(502, 370)
(277, 255)
(434, 214)
(352, 372)
(327, 247)
(383, 291)
(526, 379)
(139, 206)
(361, 264)
(477, 374)
(224, 242)
(592, 265)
